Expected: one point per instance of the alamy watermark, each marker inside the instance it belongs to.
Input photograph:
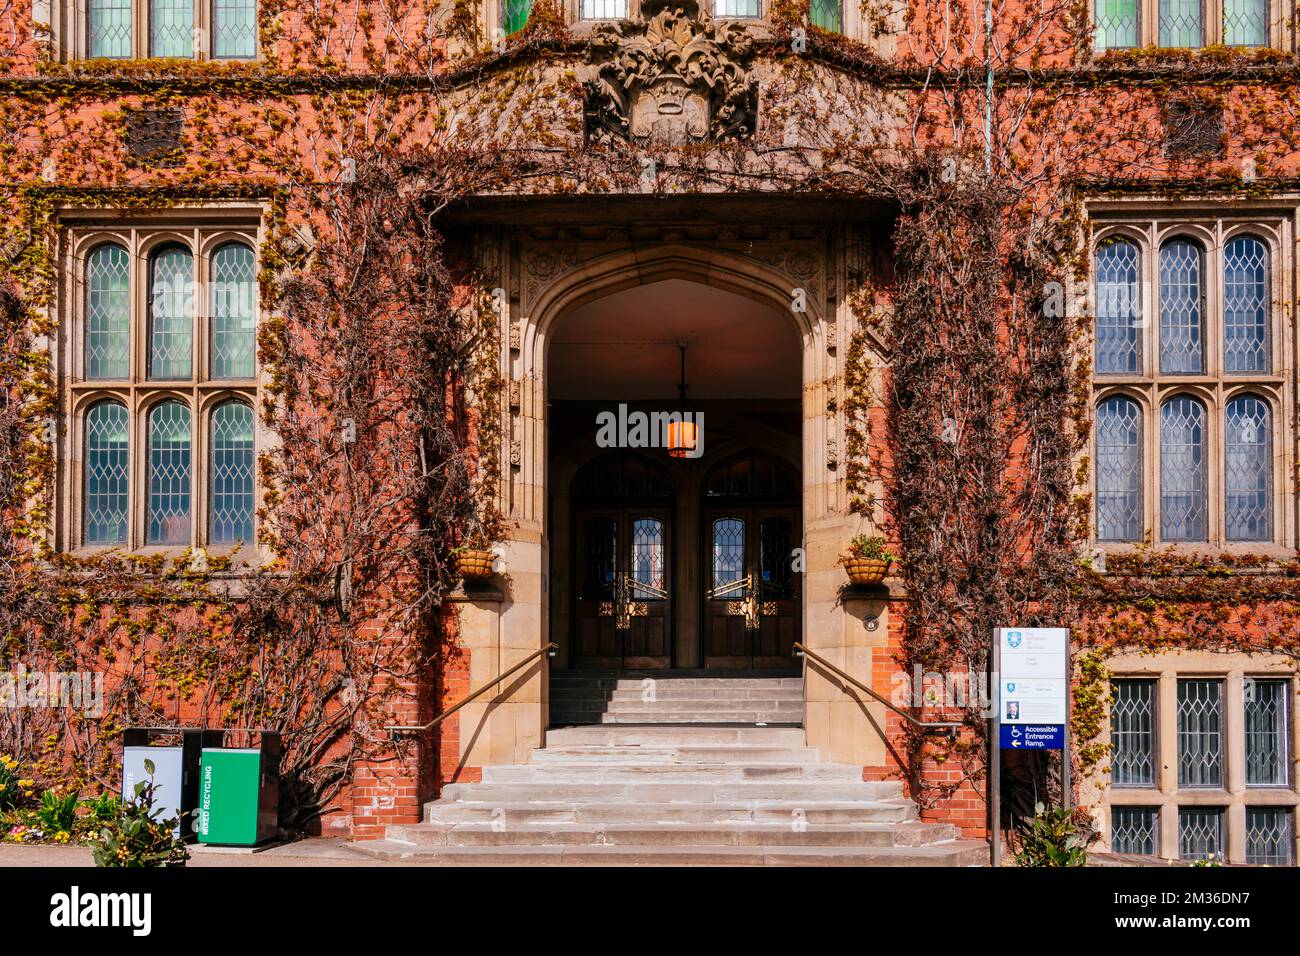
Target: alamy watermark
(40, 690)
(637, 429)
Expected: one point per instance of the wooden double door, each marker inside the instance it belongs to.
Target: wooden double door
(749, 608)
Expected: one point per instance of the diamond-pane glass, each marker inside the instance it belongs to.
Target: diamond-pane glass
(108, 28)
(1248, 470)
(728, 551)
(648, 555)
(1245, 22)
(169, 474)
(1117, 24)
(1182, 350)
(234, 292)
(234, 29)
(1245, 306)
(775, 546)
(827, 14)
(1180, 23)
(1267, 717)
(1132, 722)
(1133, 830)
(108, 474)
(604, 9)
(171, 310)
(171, 28)
(736, 8)
(231, 516)
(1118, 308)
(108, 313)
(1200, 733)
(1269, 836)
(514, 14)
(1119, 470)
(1200, 833)
(1182, 470)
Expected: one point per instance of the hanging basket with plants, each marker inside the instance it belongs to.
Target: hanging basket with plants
(867, 561)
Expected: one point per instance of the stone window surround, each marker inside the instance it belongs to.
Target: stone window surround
(855, 26)
(1213, 228)
(66, 21)
(1165, 796)
(1280, 36)
(201, 230)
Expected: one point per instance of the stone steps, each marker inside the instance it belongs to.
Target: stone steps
(780, 813)
(667, 698)
(653, 736)
(620, 771)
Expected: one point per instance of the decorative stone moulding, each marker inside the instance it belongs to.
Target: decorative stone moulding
(670, 77)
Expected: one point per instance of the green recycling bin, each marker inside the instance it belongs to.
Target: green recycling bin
(239, 792)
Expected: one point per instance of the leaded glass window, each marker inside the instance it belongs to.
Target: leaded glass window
(1200, 733)
(1268, 751)
(827, 14)
(1133, 830)
(1119, 305)
(1119, 470)
(728, 551)
(1181, 23)
(1245, 22)
(604, 9)
(1270, 839)
(171, 28)
(1132, 733)
(234, 296)
(1117, 24)
(108, 313)
(1182, 470)
(648, 555)
(230, 515)
(1246, 309)
(1182, 301)
(1248, 470)
(171, 312)
(169, 474)
(776, 545)
(107, 474)
(514, 14)
(1200, 833)
(600, 535)
(108, 28)
(737, 8)
(234, 29)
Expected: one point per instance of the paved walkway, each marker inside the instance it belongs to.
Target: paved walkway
(317, 852)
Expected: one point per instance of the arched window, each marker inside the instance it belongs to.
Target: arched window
(234, 29)
(1118, 308)
(169, 474)
(1245, 22)
(108, 313)
(107, 474)
(1246, 302)
(1248, 470)
(1181, 23)
(1182, 470)
(108, 28)
(1119, 470)
(171, 310)
(1182, 285)
(230, 517)
(232, 304)
(171, 28)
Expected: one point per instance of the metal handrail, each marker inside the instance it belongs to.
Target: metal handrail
(947, 726)
(549, 650)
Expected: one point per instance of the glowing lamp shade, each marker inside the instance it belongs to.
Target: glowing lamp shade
(682, 438)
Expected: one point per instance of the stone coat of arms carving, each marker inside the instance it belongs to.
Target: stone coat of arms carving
(670, 76)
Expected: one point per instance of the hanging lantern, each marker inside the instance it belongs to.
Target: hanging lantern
(682, 439)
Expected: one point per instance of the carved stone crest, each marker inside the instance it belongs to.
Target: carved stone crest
(670, 76)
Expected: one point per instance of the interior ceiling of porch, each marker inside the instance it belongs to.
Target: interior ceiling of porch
(623, 347)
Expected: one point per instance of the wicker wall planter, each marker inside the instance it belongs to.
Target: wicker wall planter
(866, 570)
(474, 565)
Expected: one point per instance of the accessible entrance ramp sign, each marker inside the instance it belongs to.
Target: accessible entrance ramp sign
(1033, 687)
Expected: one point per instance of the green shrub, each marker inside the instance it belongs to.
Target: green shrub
(57, 815)
(135, 837)
(1058, 837)
(871, 547)
(9, 788)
